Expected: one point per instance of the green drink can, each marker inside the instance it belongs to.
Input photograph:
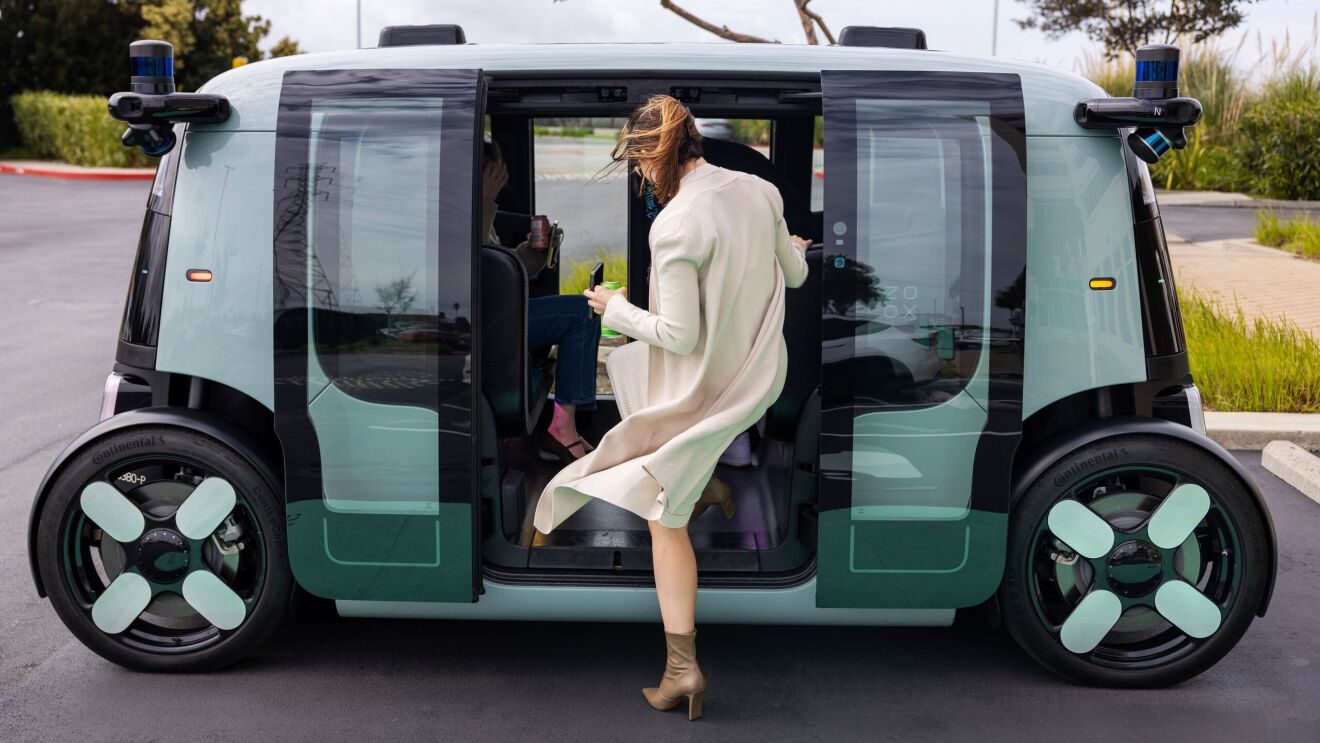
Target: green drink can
(604, 331)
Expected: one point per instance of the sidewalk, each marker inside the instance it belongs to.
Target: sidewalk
(1264, 281)
(1225, 199)
(64, 170)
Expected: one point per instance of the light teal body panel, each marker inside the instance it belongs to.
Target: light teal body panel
(221, 330)
(1079, 226)
(254, 89)
(507, 602)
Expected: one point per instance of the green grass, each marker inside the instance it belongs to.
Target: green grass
(573, 275)
(1300, 234)
(1249, 364)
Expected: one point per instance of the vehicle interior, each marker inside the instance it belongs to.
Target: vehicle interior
(771, 537)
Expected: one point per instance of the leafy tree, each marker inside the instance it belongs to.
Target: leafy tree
(68, 46)
(1123, 25)
(223, 32)
(285, 47)
(172, 21)
(396, 297)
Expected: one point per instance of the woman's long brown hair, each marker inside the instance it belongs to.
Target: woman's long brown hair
(662, 132)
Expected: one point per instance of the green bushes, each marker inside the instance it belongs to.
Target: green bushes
(1298, 235)
(1281, 137)
(73, 128)
(1261, 364)
(574, 274)
(1260, 130)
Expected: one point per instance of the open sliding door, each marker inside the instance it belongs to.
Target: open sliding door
(923, 294)
(374, 291)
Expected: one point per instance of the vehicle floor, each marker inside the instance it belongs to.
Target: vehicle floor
(760, 493)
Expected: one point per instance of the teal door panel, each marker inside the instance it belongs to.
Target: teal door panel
(922, 335)
(374, 197)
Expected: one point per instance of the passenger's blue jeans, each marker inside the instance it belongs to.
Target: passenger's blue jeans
(566, 320)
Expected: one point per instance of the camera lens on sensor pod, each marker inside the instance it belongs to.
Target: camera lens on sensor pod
(152, 67)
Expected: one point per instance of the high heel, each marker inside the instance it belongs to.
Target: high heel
(682, 676)
(716, 492)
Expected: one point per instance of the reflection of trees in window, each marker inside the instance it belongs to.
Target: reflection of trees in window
(855, 284)
(396, 297)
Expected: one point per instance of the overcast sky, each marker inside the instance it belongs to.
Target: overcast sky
(953, 25)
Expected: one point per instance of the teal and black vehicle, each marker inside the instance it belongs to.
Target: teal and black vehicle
(323, 383)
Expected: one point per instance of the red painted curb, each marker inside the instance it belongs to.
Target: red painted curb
(88, 175)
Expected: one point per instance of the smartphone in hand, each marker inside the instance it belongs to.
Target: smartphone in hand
(596, 279)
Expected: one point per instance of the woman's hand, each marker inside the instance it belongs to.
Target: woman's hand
(801, 243)
(598, 297)
(493, 177)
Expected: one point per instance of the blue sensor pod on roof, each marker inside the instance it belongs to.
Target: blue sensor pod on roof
(152, 67)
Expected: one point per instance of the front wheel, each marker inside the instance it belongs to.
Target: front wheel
(163, 550)
(1135, 561)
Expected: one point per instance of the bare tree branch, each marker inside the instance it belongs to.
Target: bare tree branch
(721, 31)
(808, 25)
(813, 15)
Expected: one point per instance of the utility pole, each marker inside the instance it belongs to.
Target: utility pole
(994, 32)
(358, 40)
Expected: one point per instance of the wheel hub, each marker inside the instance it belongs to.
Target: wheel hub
(1135, 568)
(163, 555)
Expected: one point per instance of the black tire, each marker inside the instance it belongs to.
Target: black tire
(1022, 592)
(263, 507)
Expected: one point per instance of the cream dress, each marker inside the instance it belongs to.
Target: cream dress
(720, 259)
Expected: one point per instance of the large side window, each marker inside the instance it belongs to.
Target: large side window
(922, 245)
(380, 331)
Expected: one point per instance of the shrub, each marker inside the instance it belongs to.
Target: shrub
(74, 128)
(1298, 235)
(750, 131)
(1280, 140)
(1258, 364)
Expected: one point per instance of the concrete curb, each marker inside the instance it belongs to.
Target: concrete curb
(1254, 431)
(75, 172)
(1294, 465)
(1227, 200)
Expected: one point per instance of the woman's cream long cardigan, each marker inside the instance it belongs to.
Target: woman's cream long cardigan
(720, 259)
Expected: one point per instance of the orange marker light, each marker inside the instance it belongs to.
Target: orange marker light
(199, 274)
(1102, 284)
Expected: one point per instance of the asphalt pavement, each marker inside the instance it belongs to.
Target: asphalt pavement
(65, 253)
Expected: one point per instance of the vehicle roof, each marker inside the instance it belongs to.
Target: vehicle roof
(1050, 94)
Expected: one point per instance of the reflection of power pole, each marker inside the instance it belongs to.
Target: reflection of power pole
(358, 39)
(994, 31)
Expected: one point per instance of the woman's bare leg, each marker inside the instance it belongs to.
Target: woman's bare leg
(675, 567)
(563, 425)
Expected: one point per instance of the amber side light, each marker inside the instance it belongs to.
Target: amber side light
(1102, 283)
(199, 274)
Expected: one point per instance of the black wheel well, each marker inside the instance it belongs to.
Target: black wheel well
(208, 407)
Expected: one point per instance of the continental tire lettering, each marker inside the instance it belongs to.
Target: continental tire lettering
(142, 442)
(1090, 462)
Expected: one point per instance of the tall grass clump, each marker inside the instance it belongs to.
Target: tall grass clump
(1257, 364)
(574, 274)
(73, 128)
(1299, 234)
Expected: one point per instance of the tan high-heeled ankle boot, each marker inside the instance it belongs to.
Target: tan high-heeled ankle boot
(716, 492)
(682, 677)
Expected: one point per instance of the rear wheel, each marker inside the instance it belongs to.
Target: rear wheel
(163, 549)
(1134, 561)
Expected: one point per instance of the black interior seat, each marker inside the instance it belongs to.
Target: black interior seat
(738, 156)
(515, 384)
(802, 318)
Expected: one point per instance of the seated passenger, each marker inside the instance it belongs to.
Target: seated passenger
(562, 320)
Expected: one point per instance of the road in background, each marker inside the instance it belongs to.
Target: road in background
(66, 249)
